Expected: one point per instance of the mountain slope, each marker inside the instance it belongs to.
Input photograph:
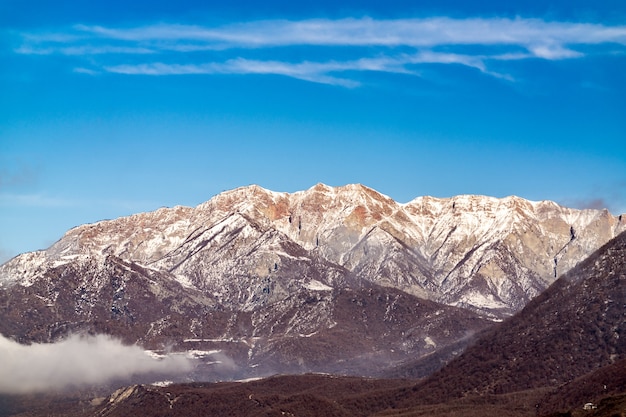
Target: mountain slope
(567, 343)
(575, 327)
(311, 327)
(604, 383)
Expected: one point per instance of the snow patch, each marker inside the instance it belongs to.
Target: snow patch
(256, 378)
(199, 354)
(185, 281)
(429, 342)
(218, 340)
(162, 384)
(481, 301)
(154, 355)
(315, 285)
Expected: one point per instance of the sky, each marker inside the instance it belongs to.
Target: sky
(109, 108)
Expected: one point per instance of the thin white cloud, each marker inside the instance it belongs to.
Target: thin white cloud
(310, 71)
(186, 45)
(16, 175)
(81, 70)
(552, 52)
(33, 200)
(44, 200)
(427, 32)
(84, 50)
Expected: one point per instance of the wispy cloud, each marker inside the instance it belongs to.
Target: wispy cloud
(83, 50)
(609, 195)
(310, 71)
(18, 176)
(428, 32)
(593, 203)
(33, 200)
(383, 45)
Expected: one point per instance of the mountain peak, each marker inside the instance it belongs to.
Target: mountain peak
(486, 253)
(321, 188)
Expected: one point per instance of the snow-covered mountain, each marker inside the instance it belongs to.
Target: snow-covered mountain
(485, 253)
(251, 264)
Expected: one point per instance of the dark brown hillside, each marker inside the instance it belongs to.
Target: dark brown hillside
(302, 395)
(577, 326)
(605, 382)
(428, 364)
(357, 331)
(295, 395)
(118, 298)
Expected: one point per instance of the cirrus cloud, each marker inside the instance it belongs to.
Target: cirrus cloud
(393, 45)
(429, 32)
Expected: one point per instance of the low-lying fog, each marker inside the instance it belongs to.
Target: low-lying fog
(77, 361)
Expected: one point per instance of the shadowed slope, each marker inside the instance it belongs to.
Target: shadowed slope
(576, 326)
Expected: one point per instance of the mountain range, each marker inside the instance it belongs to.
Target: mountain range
(331, 279)
(564, 354)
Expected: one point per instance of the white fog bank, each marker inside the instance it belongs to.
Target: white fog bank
(77, 361)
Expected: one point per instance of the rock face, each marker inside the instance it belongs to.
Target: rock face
(282, 279)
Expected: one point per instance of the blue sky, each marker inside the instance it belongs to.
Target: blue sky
(112, 108)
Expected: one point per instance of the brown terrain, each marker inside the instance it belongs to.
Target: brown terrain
(564, 350)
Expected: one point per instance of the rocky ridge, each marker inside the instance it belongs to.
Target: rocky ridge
(491, 255)
(285, 279)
